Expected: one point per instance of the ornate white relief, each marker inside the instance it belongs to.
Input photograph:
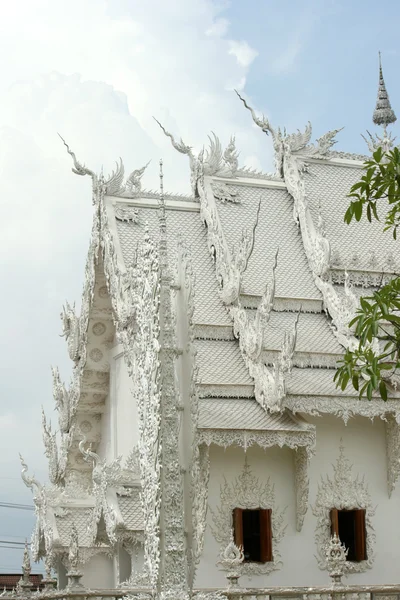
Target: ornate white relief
(133, 462)
(301, 484)
(344, 492)
(200, 472)
(392, 452)
(247, 492)
(127, 213)
(224, 193)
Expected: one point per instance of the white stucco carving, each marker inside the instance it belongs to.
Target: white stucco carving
(344, 492)
(247, 492)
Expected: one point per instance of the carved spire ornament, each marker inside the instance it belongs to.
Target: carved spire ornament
(173, 558)
(383, 114)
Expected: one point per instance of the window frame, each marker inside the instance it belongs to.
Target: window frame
(360, 535)
(266, 534)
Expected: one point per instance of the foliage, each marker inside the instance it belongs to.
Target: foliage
(381, 181)
(369, 366)
(377, 326)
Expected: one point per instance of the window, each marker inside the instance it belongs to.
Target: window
(253, 532)
(349, 525)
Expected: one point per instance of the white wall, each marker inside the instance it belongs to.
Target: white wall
(364, 444)
(119, 423)
(124, 409)
(99, 573)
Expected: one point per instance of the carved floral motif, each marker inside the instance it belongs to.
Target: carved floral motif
(247, 492)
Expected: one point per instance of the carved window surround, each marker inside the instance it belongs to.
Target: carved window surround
(303, 443)
(344, 492)
(247, 492)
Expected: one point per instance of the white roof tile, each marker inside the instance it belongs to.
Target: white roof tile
(276, 228)
(328, 186)
(247, 414)
(221, 363)
(208, 305)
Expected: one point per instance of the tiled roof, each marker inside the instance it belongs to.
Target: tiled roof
(317, 382)
(208, 306)
(81, 517)
(221, 363)
(247, 414)
(276, 229)
(327, 186)
(10, 580)
(313, 333)
(131, 510)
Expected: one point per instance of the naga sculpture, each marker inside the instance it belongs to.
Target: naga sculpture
(62, 398)
(71, 331)
(212, 161)
(104, 476)
(133, 183)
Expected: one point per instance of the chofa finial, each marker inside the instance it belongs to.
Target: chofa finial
(383, 114)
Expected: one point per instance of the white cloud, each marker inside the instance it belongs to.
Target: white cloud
(7, 421)
(243, 52)
(97, 76)
(219, 28)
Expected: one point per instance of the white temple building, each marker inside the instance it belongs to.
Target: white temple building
(202, 414)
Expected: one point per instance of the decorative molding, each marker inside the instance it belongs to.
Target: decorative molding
(392, 429)
(304, 359)
(344, 408)
(245, 438)
(247, 492)
(344, 492)
(360, 278)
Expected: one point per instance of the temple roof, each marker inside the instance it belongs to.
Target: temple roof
(275, 230)
(235, 413)
(359, 245)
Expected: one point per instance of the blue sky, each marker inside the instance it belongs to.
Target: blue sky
(97, 72)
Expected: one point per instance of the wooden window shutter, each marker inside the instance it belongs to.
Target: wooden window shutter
(265, 535)
(238, 526)
(361, 548)
(334, 521)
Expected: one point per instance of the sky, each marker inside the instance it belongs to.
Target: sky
(96, 72)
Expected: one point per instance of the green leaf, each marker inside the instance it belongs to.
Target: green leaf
(383, 390)
(355, 380)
